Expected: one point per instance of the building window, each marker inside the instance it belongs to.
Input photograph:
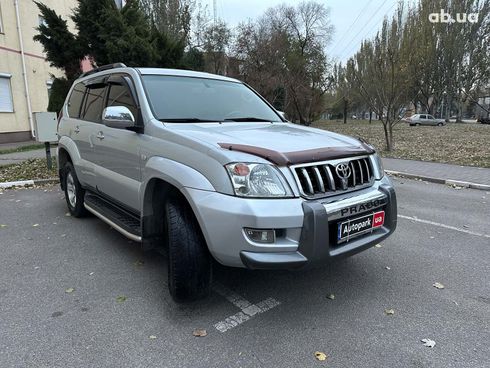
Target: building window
(1, 23)
(6, 104)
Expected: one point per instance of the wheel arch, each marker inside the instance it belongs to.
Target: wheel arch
(157, 192)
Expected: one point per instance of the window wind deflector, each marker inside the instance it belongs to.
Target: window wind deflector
(252, 119)
(187, 120)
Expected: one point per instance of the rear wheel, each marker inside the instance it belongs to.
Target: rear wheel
(417, 124)
(74, 193)
(440, 124)
(189, 269)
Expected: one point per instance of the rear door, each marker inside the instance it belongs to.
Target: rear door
(90, 120)
(80, 133)
(118, 165)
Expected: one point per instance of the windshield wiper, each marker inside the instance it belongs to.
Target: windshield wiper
(247, 119)
(188, 120)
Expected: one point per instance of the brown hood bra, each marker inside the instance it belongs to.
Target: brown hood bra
(299, 157)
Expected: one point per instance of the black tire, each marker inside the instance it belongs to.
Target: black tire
(74, 193)
(190, 264)
(417, 124)
(440, 124)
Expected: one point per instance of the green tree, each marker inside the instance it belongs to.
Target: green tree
(61, 47)
(106, 35)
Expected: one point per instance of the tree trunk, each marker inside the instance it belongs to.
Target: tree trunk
(345, 111)
(388, 135)
(370, 116)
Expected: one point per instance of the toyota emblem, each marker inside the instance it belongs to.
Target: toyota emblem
(343, 172)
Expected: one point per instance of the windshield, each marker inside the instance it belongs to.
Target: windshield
(198, 99)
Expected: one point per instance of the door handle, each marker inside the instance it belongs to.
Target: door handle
(100, 135)
(77, 129)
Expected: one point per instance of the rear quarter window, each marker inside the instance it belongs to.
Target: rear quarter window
(75, 100)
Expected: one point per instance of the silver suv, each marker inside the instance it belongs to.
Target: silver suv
(200, 166)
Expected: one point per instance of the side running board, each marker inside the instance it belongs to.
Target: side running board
(121, 220)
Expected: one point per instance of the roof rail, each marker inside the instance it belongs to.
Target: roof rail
(103, 67)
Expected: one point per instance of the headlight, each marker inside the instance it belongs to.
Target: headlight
(257, 180)
(378, 166)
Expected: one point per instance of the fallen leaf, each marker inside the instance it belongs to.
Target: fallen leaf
(152, 337)
(389, 312)
(91, 273)
(388, 268)
(429, 343)
(432, 237)
(466, 226)
(331, 296)
(35, 225)
(199, 333)
(3, 225)
(121, 299)
(69, 290)
(438, 285)
(378, 246)
(68, 214)
(320, 356)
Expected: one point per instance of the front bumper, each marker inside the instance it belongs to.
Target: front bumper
(308, 228)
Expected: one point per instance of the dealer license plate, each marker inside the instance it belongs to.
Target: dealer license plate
(360, 225)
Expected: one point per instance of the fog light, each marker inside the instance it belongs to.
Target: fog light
(260, 235)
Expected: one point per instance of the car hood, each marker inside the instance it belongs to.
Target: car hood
(281, 137)
(275, 141)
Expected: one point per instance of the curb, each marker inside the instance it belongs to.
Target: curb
(28, 183)
(464, 184)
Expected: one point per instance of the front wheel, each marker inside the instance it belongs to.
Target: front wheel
(74, 193)
(189, 269)
(440, 124)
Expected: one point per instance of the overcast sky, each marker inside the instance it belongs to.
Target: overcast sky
(353, 20)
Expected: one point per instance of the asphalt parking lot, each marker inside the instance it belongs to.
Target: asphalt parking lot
(74, 293)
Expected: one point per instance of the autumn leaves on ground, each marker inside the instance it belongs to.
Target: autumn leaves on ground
(461, 144)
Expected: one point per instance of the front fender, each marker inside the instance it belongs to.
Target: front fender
(179, 175)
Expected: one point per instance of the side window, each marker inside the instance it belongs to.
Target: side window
(422, 116)
(94, 103)
(430, 117)
(75, 100)
(120, 95)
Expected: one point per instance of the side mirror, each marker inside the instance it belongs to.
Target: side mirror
(118, 117)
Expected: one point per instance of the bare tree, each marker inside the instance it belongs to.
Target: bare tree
(379, 72)
(282, 54)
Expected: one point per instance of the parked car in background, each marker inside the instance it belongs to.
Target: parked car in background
(425, 119)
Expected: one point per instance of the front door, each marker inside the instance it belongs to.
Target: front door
(118, 167)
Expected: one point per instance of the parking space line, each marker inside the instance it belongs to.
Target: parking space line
(247, 309)
(444, 226)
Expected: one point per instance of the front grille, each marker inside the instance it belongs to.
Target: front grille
(321, 179)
